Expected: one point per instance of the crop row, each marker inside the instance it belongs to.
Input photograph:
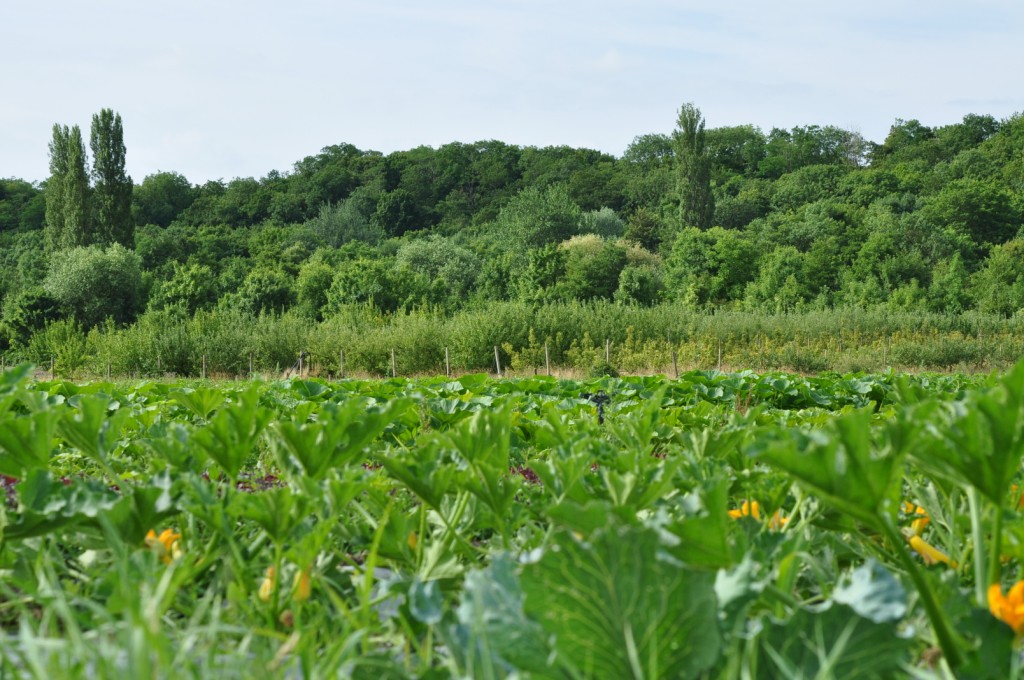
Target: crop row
(718, 525)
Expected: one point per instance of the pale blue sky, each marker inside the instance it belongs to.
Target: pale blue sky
(222, 88)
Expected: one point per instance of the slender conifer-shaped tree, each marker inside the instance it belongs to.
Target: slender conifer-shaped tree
(112, 187)
(696, 202)
(68, 221)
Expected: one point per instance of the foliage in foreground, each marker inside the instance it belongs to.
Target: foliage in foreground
(718, 525)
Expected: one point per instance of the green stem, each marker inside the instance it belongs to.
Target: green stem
(995, 559)
(978, 537)
(944, 633)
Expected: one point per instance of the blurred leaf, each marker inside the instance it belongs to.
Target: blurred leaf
(201, 401)
(618, 606)
(493, 636)
(873, 592)
(26, 441)
(833, 642)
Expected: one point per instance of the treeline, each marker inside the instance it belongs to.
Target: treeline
(812, 218)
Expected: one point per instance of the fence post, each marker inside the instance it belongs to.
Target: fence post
(300, 364)
(51, 368)
(447, 364)
(547, 359)
(719, 355)
(497, 361)
(607, 351)
(251, 373)
(394, 369)
(675, 363)
(204, 367)
(341, 364)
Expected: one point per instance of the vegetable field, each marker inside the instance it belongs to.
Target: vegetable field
(721, 525)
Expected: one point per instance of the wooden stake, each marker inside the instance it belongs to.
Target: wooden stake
(204, 367)
(607, 351)
(497, 361)
(675, 363)
(394, 366)
(250, 366)
(341, 364)
(300, 364)
(547, 359)
(719, 355)
(51, 367)
(108, 369)
(447, 364)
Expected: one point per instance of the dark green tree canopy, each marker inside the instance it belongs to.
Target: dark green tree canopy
(112, 187)
(693, 165)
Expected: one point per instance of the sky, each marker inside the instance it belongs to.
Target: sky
(219, 89)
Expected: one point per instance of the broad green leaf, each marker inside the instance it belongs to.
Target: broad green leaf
(428, 472)
(493, 636)
(310, 390)
(426, 601)
(93, 425)
(47, 504)
(277, 511)
(703, 533)
(230, 437)
(201, 401)
(141, 509)
(833, 642)
(980, 440)
(338, 437)
(26, 440)
(618, 606)
(840, 463)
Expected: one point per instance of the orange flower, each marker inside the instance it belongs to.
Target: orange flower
(920, 516)
(748, 509)
(166, 545)
(1009, 608)
(752, 509)
(930, 554)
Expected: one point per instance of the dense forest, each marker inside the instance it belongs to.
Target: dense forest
(729, 219)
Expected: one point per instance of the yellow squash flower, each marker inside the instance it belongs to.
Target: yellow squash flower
(166, 545)
(752, 509)
(930, 554)
(302, 587)
(268, 585)
(1009, 608)
(920, 516)
(748, 509)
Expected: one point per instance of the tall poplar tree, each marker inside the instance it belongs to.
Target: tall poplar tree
(112, 187)
(54, 222)
(67, 191)
(693, 164)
